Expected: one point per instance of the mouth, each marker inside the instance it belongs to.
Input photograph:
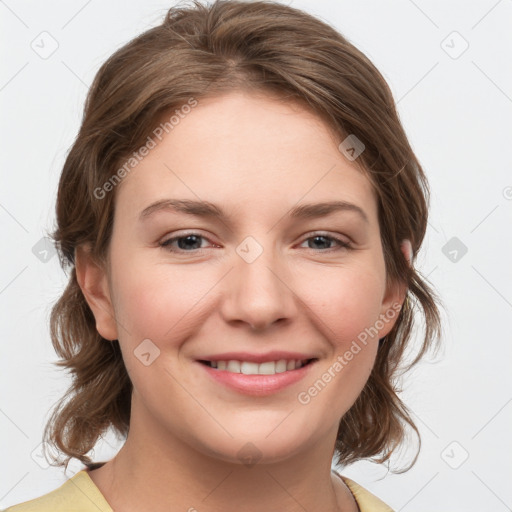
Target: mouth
(261, 376)
(253, 368)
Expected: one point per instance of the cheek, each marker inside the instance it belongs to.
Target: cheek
(159, 302)
(162, 306)
(345, 303)
(348, 307)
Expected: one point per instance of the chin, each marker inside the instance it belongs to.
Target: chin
(260, 445)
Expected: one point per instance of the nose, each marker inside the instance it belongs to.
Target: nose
(258, 294)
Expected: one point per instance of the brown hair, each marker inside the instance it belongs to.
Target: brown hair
(201, 51)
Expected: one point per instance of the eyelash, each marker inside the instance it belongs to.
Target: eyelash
(342, 245)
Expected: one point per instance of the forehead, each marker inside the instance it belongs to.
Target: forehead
(250, 152)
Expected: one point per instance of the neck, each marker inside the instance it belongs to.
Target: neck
(157, 471)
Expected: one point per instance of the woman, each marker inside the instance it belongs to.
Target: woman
(240, 213)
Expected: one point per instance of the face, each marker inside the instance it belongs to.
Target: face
(247, 281)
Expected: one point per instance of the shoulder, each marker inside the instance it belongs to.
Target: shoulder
(78, 494)
(366, 501)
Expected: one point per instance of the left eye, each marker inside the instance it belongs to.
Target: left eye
(192, 242)
(324, 240)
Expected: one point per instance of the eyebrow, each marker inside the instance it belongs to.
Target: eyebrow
(209, 210)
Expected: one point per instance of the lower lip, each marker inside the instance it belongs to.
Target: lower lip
(258, 385)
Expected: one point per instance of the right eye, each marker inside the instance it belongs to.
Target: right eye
(190, 242)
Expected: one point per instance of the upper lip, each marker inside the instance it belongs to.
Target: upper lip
(257, 358)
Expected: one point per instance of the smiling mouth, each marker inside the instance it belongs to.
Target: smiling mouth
(266, 368)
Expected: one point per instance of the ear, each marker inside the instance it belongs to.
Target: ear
(395, 296)
(92, 279)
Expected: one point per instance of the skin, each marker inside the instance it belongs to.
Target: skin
(256, 158)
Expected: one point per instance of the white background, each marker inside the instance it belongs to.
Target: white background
(457, 113)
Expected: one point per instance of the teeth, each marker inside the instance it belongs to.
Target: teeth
(247, 368)
(268, 368)
(281, 366)
(234, 366)
(250, 368)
